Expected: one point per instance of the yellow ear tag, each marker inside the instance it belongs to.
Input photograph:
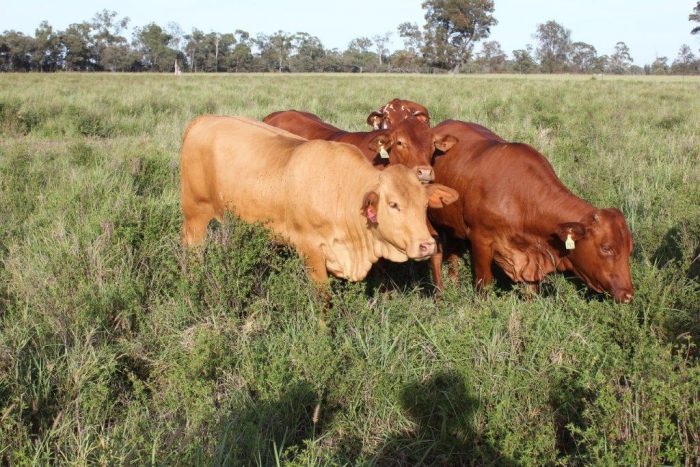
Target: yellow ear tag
(382, 153)
(570, 244)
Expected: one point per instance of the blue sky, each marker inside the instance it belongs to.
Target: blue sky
(650, 28)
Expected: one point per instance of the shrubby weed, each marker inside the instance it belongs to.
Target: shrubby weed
(119, 346)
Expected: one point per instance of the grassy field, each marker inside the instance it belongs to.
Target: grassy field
(119, 347)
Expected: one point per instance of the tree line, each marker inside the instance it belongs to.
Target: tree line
(445, 43)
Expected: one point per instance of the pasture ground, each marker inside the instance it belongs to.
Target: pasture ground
(118, 347)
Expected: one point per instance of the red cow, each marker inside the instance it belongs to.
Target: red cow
(410, 143)
(395, 111)
(515, 211)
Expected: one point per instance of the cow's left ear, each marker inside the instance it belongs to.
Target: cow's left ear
(445, 143)
(383, 140)
(570, 233)
(369, 206)
(375, 120)
(440, 196)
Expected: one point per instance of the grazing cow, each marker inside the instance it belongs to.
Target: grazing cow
(410, 142)
(321, 197)
(396, 111)
(515, 211)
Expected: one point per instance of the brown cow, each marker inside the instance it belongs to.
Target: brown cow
(323, 198)
(515, 211)
(396, 111)
(410, 142)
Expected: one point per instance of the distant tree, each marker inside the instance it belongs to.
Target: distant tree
(106, 27)
(195, 49)
(601, 64)
(309, 53)
(152, 43)
(660, 66)
(242, 54)
(358, 56)
(523, 62)
(380, 43)
(47, 56)
(453, 27)
(111, 48)
(621, 60)
(555, 46)
(409, 59)
(275, 50)
(177, 40)
(360, 44)
(695, 17)
(686, 62)
(491, 59)
(332, 61)
(16, 51)
(412, 37)
(79, 51)
(120, 58)
(583, 57)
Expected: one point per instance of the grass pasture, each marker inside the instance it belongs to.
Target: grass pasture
(119, 347)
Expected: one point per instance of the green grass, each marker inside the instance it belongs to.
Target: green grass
(117, 346)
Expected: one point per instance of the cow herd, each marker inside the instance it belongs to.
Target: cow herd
(345, 200)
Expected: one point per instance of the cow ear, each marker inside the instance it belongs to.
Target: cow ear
(383, 140)
(440, 196)
(375, 120)
(445, 143)
(369, 206)
(422, 117)
(570, 233)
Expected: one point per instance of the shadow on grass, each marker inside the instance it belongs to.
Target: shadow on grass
(671, 250)
(444, 413)
(400, 277)
(259, 432)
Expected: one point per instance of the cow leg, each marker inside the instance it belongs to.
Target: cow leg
(454, 248)
(194, 226)
(436, 268)
(316, 269)
(436, 259)
(482, 258)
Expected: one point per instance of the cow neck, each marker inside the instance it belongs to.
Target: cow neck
(559, 206)
(365, 248)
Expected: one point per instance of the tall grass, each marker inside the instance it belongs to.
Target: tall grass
(118, 346)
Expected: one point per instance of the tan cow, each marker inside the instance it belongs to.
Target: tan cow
(323, 198)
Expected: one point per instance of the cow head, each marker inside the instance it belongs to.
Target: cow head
(602, 245)
(412, 144)
(396, 213)
(395, 111)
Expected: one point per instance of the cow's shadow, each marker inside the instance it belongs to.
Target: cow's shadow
(442, 409)
(386, 276)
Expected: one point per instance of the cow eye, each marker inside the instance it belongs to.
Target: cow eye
(393, 205)
(399, 143)
(606, 250)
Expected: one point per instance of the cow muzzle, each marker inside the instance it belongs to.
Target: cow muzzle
(423, 250)
(623, 296)
(425, 173)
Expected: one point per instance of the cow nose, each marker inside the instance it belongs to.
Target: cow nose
(427, 248)
(425, 173)
(624, 297)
